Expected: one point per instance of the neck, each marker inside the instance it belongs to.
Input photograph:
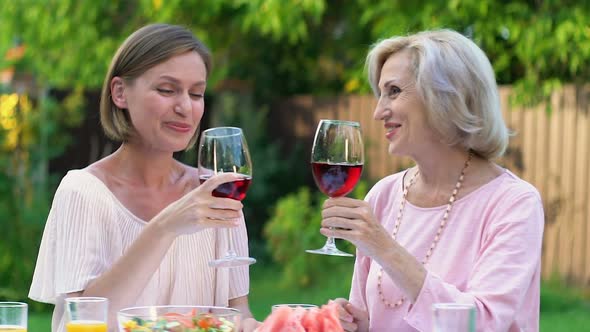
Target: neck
(146, 168)
(442, 167)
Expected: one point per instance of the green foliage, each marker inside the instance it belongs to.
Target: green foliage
(536, 45)
(294, 47)
(293, 228)
(70, 43)
(26, 144)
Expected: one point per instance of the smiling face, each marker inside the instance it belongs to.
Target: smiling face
(166, 103)
(400, 107)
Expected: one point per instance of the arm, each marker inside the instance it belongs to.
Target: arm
(354, 221)
(241, 303)
(195, 211)
(249, 323)
(497, 282)
(353, 313)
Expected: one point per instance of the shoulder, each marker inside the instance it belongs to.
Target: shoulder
(80, 185)
(509, 187)
(509, 202)
(190, 176)
(78, 180)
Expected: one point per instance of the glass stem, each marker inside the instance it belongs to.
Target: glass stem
(330, 242)
(230, 249)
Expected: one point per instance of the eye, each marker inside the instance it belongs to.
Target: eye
(393, 91)
(165, 91)
(196, 96)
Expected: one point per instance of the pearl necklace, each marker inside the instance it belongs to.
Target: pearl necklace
(438, 233)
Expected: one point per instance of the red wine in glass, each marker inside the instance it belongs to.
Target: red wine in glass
(336, 180)
(234, 190)
(224, 150)
(337, 159)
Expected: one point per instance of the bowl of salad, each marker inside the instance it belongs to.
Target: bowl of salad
(179, 318)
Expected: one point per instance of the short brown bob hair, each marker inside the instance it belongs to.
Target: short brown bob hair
(142, 50)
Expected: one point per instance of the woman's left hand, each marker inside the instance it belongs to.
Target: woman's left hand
(353, 220)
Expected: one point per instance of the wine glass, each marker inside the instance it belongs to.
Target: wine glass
(337, 159)
(223, 150)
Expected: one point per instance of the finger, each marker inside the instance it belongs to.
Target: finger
(348, 326)
(342, 313)
(358, 313)
(225, 204)
(337, 233)
(218, 179)
(220, 223)
(344, 201)
(338, 222)
(346, 212)
(224, 214)
(341, 301)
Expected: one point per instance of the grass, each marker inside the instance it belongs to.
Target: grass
(562, 309)
(266, 290)
(39, 322)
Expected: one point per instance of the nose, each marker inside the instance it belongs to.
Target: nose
(183, 105)
(381, 110)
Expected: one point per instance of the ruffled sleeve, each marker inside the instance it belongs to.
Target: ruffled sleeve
(76, 245)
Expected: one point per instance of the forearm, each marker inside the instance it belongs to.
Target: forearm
(403, 269)
(129, 275)
(241, 303)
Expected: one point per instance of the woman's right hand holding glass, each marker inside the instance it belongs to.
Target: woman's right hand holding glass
(199, 209)
(352, 318)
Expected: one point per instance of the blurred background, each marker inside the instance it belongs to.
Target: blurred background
(279, 67)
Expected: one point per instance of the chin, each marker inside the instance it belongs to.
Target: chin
(177, 146)
(394, 149)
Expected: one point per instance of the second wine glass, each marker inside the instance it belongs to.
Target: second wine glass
(224, 150)
(337, 160)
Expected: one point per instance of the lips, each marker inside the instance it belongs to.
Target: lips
(392, 128)
(178, 126)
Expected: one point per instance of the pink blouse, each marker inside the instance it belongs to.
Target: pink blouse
(488, 255)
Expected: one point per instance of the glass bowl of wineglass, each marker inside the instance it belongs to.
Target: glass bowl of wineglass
(223, 150)
(179, 318)
(337, 160)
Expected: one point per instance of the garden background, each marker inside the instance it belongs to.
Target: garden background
(278, 66)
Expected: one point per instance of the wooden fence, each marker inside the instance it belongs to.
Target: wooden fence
(551, 150)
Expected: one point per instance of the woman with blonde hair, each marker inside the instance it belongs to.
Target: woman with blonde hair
(136, 227)
(456, 227)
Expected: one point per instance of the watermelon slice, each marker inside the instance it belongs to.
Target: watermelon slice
(285, 319)
(311, 321)
(329, 318)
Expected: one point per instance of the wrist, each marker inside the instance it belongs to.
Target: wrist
(158, 230)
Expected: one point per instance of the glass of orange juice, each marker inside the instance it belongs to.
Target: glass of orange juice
(86, 314)
(13, 317)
